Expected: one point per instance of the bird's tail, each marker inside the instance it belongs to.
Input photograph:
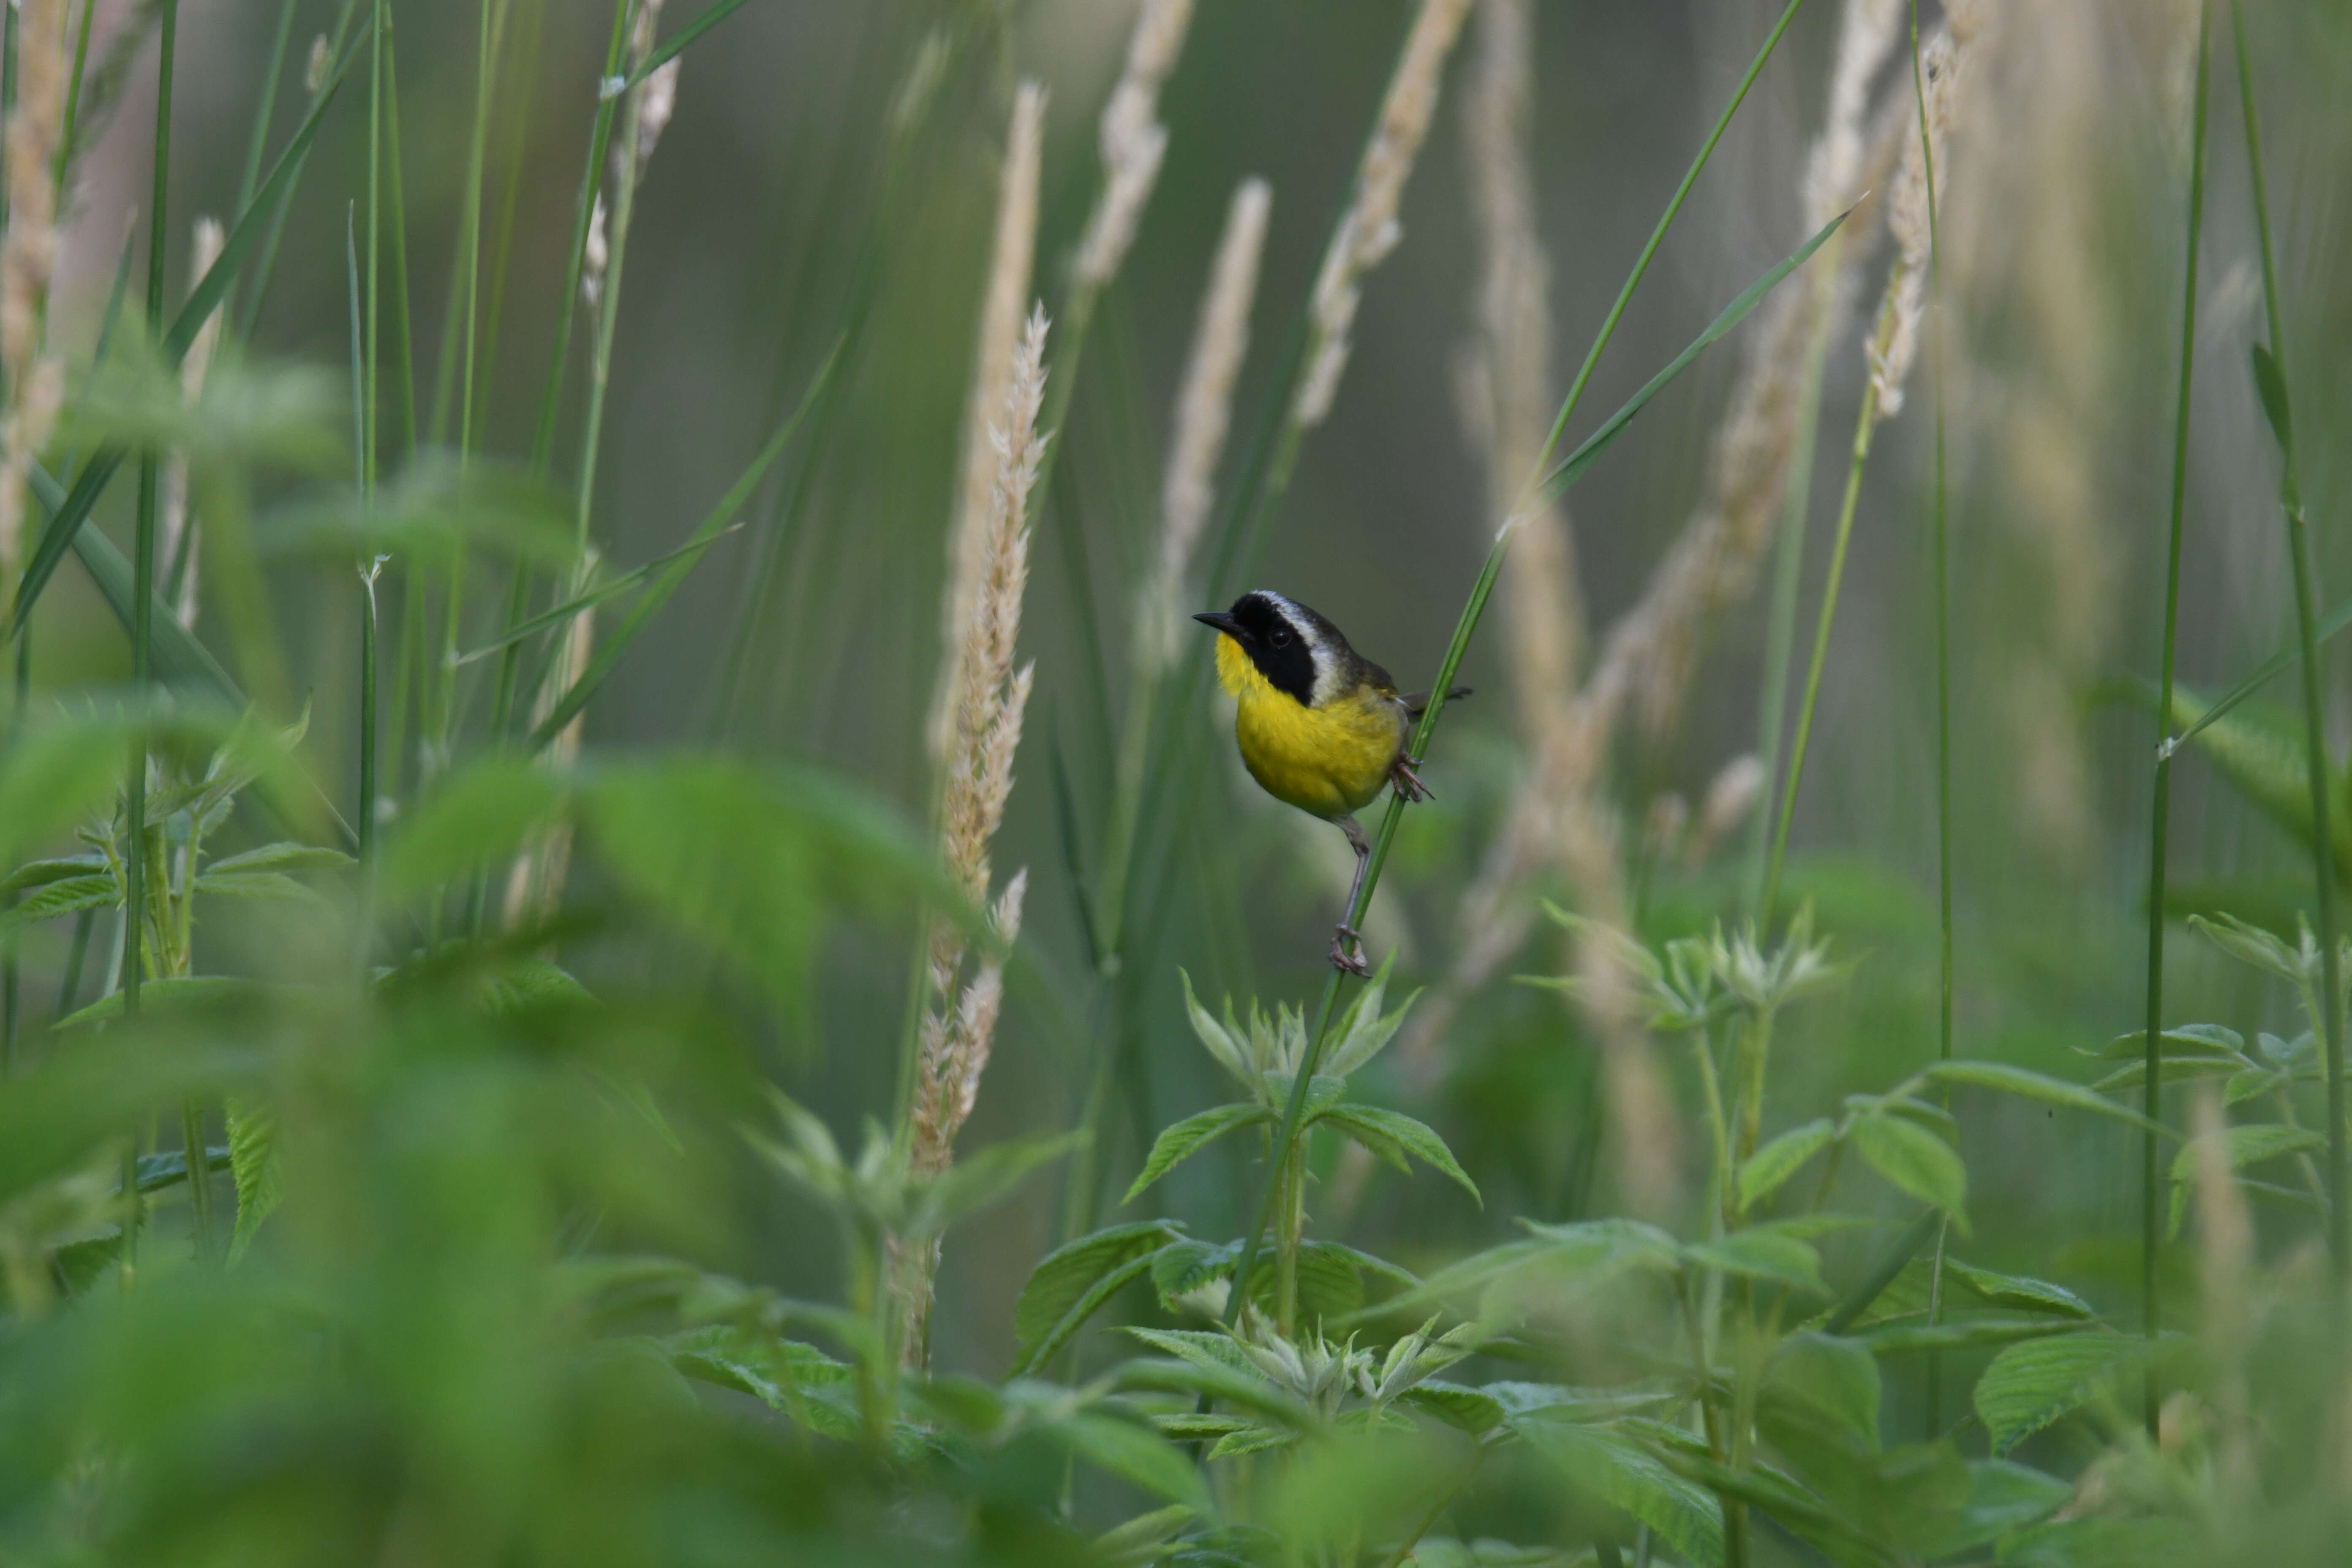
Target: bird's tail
(1416, 703)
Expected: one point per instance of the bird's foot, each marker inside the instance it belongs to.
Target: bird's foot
(1348, 953)
(1408, 783)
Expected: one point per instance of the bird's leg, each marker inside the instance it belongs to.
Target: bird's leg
(1348, 943)
(1408, 783)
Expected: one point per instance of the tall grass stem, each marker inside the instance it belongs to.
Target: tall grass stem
(2316, 755)
(2160, 810)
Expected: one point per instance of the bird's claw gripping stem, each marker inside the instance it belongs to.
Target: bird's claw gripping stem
(1408, 783)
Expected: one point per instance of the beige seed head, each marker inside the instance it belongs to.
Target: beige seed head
(1010, 265)
(1370, 230)
(1133, 140)
(1205, 410)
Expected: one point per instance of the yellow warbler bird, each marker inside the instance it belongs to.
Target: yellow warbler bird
(1321, 726)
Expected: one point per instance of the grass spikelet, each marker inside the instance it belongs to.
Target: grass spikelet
(1133, 140)
(992, 696)
(180, 539)
(1204, 411)
(1370, 230)
(1010, 266)
(28, 256)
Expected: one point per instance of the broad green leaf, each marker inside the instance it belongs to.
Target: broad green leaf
(1783, 1157)
(479, 815)
(2250, 1144)
(1133, 1451)
(2029, 1085)
(253, 1162)
(1622, 1473)
(1187, 1138)
(2004, 1497)
(55, 772)
(172, 994)
(1138, 1541)
(2177, 1069)
(798, 1380)
(255, 885)
(2020, 1293)
(41, 873)
(1915, 1160)
(285, 857)
(1830, 1379)
(1183, 1267)
(1761, 1255)
(66, 895)
(1962, 1330)
(1397, 1129)
(2265, 764)
(753, 862)
(1070, 1274)
(1474, 1410)
(2181, 1039)
(83, 1095)
(2030, 1385)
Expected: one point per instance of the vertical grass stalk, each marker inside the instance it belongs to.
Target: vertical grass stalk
(2307, 617)
(2160, 810)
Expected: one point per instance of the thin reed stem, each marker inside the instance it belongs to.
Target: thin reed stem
(1294, 1110)
(2315, 756)
(2160, 812)
(264, 109)
(1940, 543)
(1864, 424)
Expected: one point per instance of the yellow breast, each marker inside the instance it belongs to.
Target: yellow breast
(1329, 761)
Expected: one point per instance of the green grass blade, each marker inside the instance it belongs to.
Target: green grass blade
(676, 46)
(58, 536)
(690, 551)
(609, 654)
(1571, 468)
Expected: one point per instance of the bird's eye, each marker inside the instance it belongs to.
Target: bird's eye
(1279, 637)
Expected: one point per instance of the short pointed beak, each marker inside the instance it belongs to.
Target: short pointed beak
(1221, 620)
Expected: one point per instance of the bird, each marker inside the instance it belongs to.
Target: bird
(1320, 727)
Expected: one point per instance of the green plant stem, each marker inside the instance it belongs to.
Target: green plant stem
(2315, 756)
(1864, 424)
(1464, 629)
(266, 107)
(1789, 560)
(1940, 543)
(2160, 810)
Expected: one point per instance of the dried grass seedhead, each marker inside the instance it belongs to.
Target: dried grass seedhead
(29, 258)
(1910, 221)
(1370, 230)
(1010, 266)
(1204, 411)
(992, 697)
(1133, 139)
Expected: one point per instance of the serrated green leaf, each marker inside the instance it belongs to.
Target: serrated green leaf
(285, 857)
(1133, 1451)
(2177, 1069)
(2031, 1385)
(1962, 1330)
(1187, 1138)
(1072, 1277)
(2181, 1039)
(255, 885)
(66, 895)
(1398, 1130)
(1783, 1158)
(1915, 1160)
(1618, 1471)
(2240, 1147)
(2018, 1292)
(41, 873)
(1474, 1410)
(2027, 1084)
(253, 1164)
(1183, 1267)
(1831, 1379)
(1761, 1255)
